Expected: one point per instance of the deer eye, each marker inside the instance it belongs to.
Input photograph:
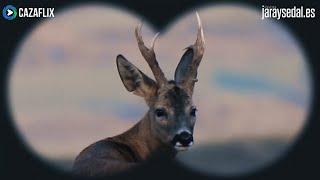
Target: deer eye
(160, 112)
(193, 112)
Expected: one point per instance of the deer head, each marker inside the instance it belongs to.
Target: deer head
(172, 114)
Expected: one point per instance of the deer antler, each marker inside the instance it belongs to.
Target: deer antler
(186, 72)
(149, 56)
(198, 46)
(200, 36)
(198, 50)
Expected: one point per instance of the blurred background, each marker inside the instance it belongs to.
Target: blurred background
(253, 92)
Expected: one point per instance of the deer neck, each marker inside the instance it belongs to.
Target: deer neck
(142, 141)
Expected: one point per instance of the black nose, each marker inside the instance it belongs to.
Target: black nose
(185, 138)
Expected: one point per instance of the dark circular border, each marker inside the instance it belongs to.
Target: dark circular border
(300, 161)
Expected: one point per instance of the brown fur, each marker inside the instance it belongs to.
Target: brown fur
(118, 153)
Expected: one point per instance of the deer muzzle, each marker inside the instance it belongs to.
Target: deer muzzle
(182, 141)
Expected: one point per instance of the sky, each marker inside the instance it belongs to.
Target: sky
(65, 92)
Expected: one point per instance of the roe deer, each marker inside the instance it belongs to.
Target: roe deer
(166, 127)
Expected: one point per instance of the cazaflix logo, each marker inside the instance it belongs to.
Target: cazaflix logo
(9, 12)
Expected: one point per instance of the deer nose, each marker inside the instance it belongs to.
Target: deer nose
(184, 138)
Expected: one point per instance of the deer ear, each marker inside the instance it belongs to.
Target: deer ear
(184, 66)
(186, 71)
(134, 80)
